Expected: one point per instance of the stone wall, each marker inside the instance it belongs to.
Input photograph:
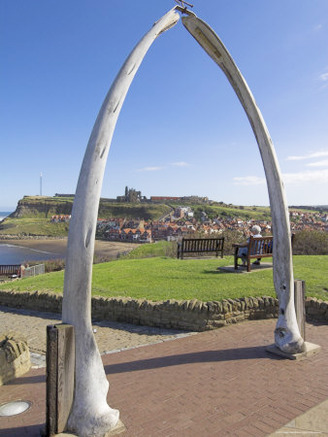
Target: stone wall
(186, 315)
(316, 310)
(14, 357)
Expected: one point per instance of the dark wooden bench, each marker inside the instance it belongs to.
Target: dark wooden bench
(200, 245)
(259, 247)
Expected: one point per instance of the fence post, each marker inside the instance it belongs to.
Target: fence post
(60, 377)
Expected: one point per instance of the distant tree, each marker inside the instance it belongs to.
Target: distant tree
(310, 242)
(231, 237)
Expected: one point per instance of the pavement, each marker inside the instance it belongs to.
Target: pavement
(243, 269)
(215, 383)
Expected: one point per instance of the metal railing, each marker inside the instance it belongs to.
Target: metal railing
(39, 269)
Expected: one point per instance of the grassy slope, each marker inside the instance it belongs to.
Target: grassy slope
(159, 249)
(242, 213)
(167, 278)
(33, 226)
(132, 210)
(216, 209)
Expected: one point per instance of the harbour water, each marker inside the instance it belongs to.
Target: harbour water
(12, 254)
(4, 214)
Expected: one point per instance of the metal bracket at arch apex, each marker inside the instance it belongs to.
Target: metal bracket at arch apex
(182, 6)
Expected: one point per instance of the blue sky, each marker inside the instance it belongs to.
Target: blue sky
(181, 130)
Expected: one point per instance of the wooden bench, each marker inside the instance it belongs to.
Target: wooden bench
(258, 247)
(200, 245)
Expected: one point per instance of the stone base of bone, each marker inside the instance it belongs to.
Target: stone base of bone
(310, 349)
(119, 429)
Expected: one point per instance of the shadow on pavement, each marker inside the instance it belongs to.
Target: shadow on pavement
(37, 379)
(248, 353)
(23, 431)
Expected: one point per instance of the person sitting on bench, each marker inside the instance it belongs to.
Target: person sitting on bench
(242, 252)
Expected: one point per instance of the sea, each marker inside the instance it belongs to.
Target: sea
(15, 254)
(4, 214)
(12, 254)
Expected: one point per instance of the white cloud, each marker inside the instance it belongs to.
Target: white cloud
(323, 163)
(318, 27)
(319, 176)
(316, 176)
(309, 156)
(180, 164)
(249, 180)
(158, 168)
(150, 169)
(323, 77)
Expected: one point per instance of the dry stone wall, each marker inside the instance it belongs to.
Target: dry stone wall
(186, 315)
(316, 310)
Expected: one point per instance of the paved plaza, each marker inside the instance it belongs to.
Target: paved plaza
(215, 383)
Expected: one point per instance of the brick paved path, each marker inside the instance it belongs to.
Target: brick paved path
(217, 383)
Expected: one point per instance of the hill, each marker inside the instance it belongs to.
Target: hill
(42, 207)
(33, 215)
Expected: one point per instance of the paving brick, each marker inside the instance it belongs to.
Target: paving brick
(216, 383)
(263, 426)
(252, 431)
(272, 422)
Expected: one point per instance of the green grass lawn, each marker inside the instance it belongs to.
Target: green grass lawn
(168, 278)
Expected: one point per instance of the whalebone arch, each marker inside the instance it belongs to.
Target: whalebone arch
(91, 415)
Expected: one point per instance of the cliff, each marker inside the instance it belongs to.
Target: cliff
(42, 207)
